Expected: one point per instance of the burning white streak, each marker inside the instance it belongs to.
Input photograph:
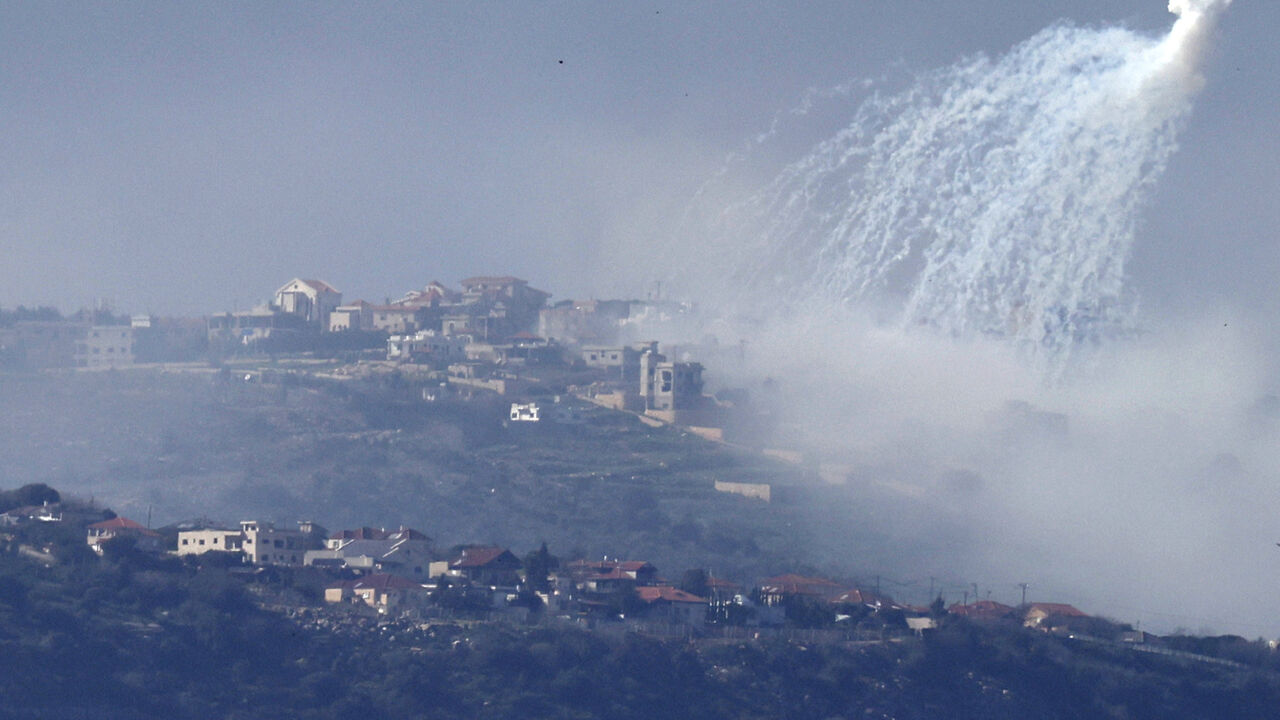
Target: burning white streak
(991, 198)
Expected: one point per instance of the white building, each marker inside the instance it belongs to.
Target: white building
(311, 300)
(525, 412)
(427, 345)
(264, 544)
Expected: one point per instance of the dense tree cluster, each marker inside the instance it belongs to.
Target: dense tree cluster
(25, 314)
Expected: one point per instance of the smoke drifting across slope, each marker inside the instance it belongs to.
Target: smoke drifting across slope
(939, 288)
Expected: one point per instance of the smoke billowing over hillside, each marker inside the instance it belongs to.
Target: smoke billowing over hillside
(939, 288)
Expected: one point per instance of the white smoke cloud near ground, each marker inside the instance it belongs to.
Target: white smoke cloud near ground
(939, 290)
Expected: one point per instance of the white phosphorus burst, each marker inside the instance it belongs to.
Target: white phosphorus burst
(992, 197)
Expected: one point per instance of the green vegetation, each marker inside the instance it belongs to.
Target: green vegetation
(136, 636)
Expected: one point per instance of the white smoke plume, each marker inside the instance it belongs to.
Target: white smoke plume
(992, 198)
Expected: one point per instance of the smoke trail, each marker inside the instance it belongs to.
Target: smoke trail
(1184, 47)
(990, 198)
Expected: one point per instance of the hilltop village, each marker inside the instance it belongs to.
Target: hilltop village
(494, 335)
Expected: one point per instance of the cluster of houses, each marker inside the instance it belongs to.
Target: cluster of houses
(486, 308)
(400, 571)
(486, 335)
(482, 337)
(495, 334)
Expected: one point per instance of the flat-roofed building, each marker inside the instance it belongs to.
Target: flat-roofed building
(265, 544)
(198, 542)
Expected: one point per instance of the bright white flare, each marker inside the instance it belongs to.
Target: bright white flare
(1185, 45)
(990, 198)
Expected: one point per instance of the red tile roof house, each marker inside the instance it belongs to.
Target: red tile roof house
(484, 565)
(381, 591)
(1045, 615)
(609, 575)
(672, 605)
(100, 532)
(777, 590)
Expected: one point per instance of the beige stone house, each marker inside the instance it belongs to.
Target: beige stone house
(381, 591)
(199, 542)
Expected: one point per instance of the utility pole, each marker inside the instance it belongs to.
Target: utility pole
(931, 596)
(975, 591)
(1024, 587)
